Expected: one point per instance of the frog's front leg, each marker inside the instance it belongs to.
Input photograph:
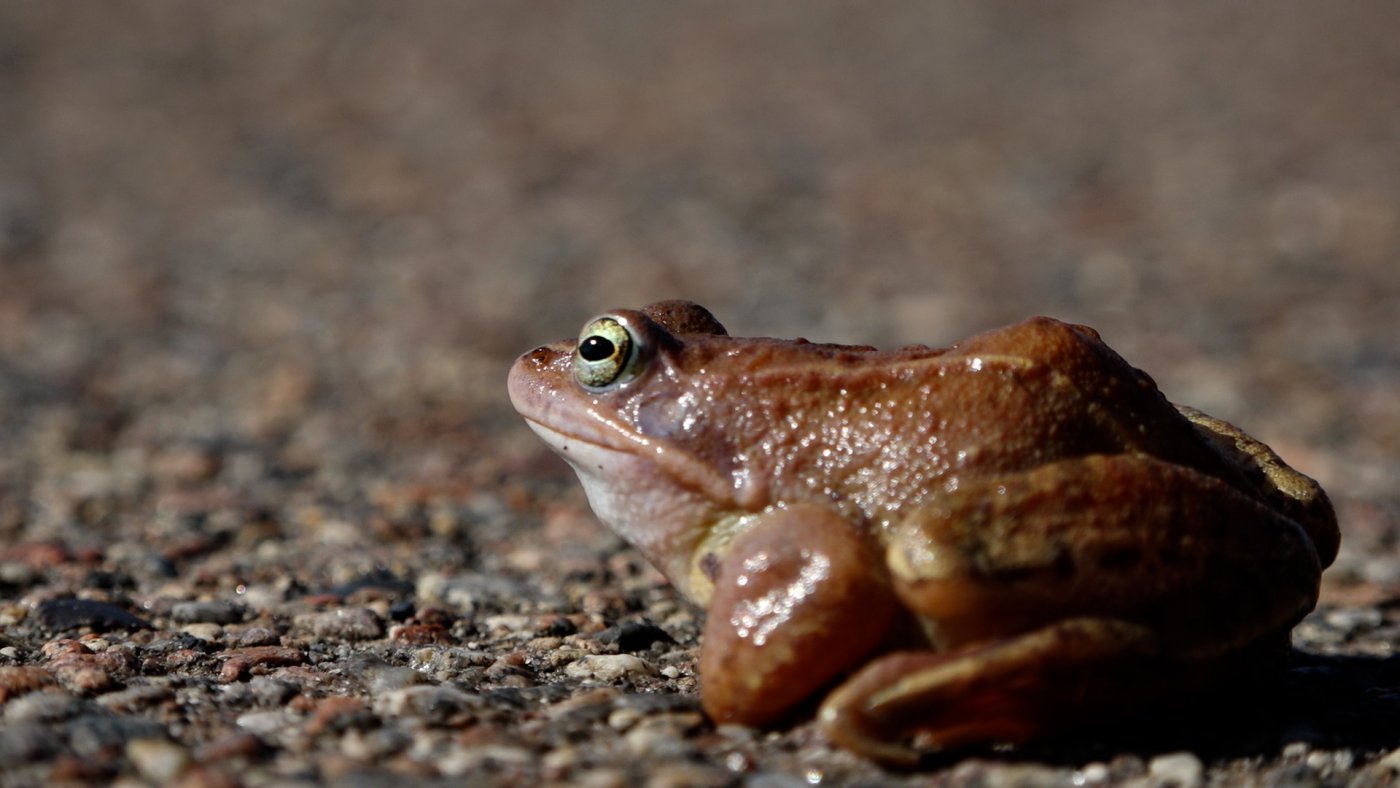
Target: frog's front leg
(800, 598)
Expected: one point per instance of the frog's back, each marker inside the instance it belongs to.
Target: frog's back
(1042, 390)
(882, 430)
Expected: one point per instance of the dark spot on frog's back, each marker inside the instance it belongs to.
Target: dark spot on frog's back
(709, 566)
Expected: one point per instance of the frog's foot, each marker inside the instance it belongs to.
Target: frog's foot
(800, 598)
(913, 703)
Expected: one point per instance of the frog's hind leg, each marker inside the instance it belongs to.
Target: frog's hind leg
(911, 703)
(1071, 591)
(1209, 568)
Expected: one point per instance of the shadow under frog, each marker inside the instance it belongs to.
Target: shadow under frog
(992, 542)
(1324, 701)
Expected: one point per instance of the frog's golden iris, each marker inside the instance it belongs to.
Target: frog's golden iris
(606, 354)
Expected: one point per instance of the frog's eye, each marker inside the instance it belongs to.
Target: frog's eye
(607, 354)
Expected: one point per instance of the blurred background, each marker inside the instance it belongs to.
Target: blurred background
(318, 233)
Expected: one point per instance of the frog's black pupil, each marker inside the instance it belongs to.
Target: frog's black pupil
(595, 348)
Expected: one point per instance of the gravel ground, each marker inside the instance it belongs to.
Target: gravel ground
(266, 515)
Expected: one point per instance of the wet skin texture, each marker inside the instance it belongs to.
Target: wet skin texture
(950, 546)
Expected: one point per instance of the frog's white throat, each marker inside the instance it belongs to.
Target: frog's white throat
(602, 471)
(632, 497)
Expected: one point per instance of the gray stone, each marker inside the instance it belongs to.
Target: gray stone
(218, 611)
(48, 706)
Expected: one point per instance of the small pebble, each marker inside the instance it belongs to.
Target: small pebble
(461, 761)
(1293, 775)
(219, 611)
(240, 661)
(634, 636)
(345, 623)
(1390, 760)
(26, 743)
(82, 671)
(601, 777)
(976, 771)
(17, 575)
(208, 633)
(339, 713)
(563, 656)
(103, 733)
(268, 724)
(135, 698)
(688, 775)
(610, 667)
(471, 591)
(48, 706)
(253, 636)
(158, 760)
(16, 680)
(623, 718)
(1096, 772)
(187, 464)
(237, 744)
(1325, 762)
(62, 614)
(391, 677)
(1179, 769)
(420, 634)
(434, 705)
(370, 745)
(658, 742)
(269, 691)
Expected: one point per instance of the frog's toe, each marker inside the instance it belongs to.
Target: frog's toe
(913, 703)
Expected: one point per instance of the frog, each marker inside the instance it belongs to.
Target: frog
(925, 548)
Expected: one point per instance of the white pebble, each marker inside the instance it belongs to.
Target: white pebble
(1390, 760)
(1095, 772)
(1180, 769)
(433, 704)
(460, 761)
(610, 667)
(205, 632)
(157, 760)
(275, 724)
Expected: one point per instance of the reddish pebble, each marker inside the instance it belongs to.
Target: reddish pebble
(244, 660)
(420, 634)
(22, 680)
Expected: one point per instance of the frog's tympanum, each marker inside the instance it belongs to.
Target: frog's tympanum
(972, 544)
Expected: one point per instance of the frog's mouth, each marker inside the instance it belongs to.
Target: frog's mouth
(603, 471)
(590, 459)
(629, 493)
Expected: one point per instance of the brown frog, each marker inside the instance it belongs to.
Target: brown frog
(971, 544)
